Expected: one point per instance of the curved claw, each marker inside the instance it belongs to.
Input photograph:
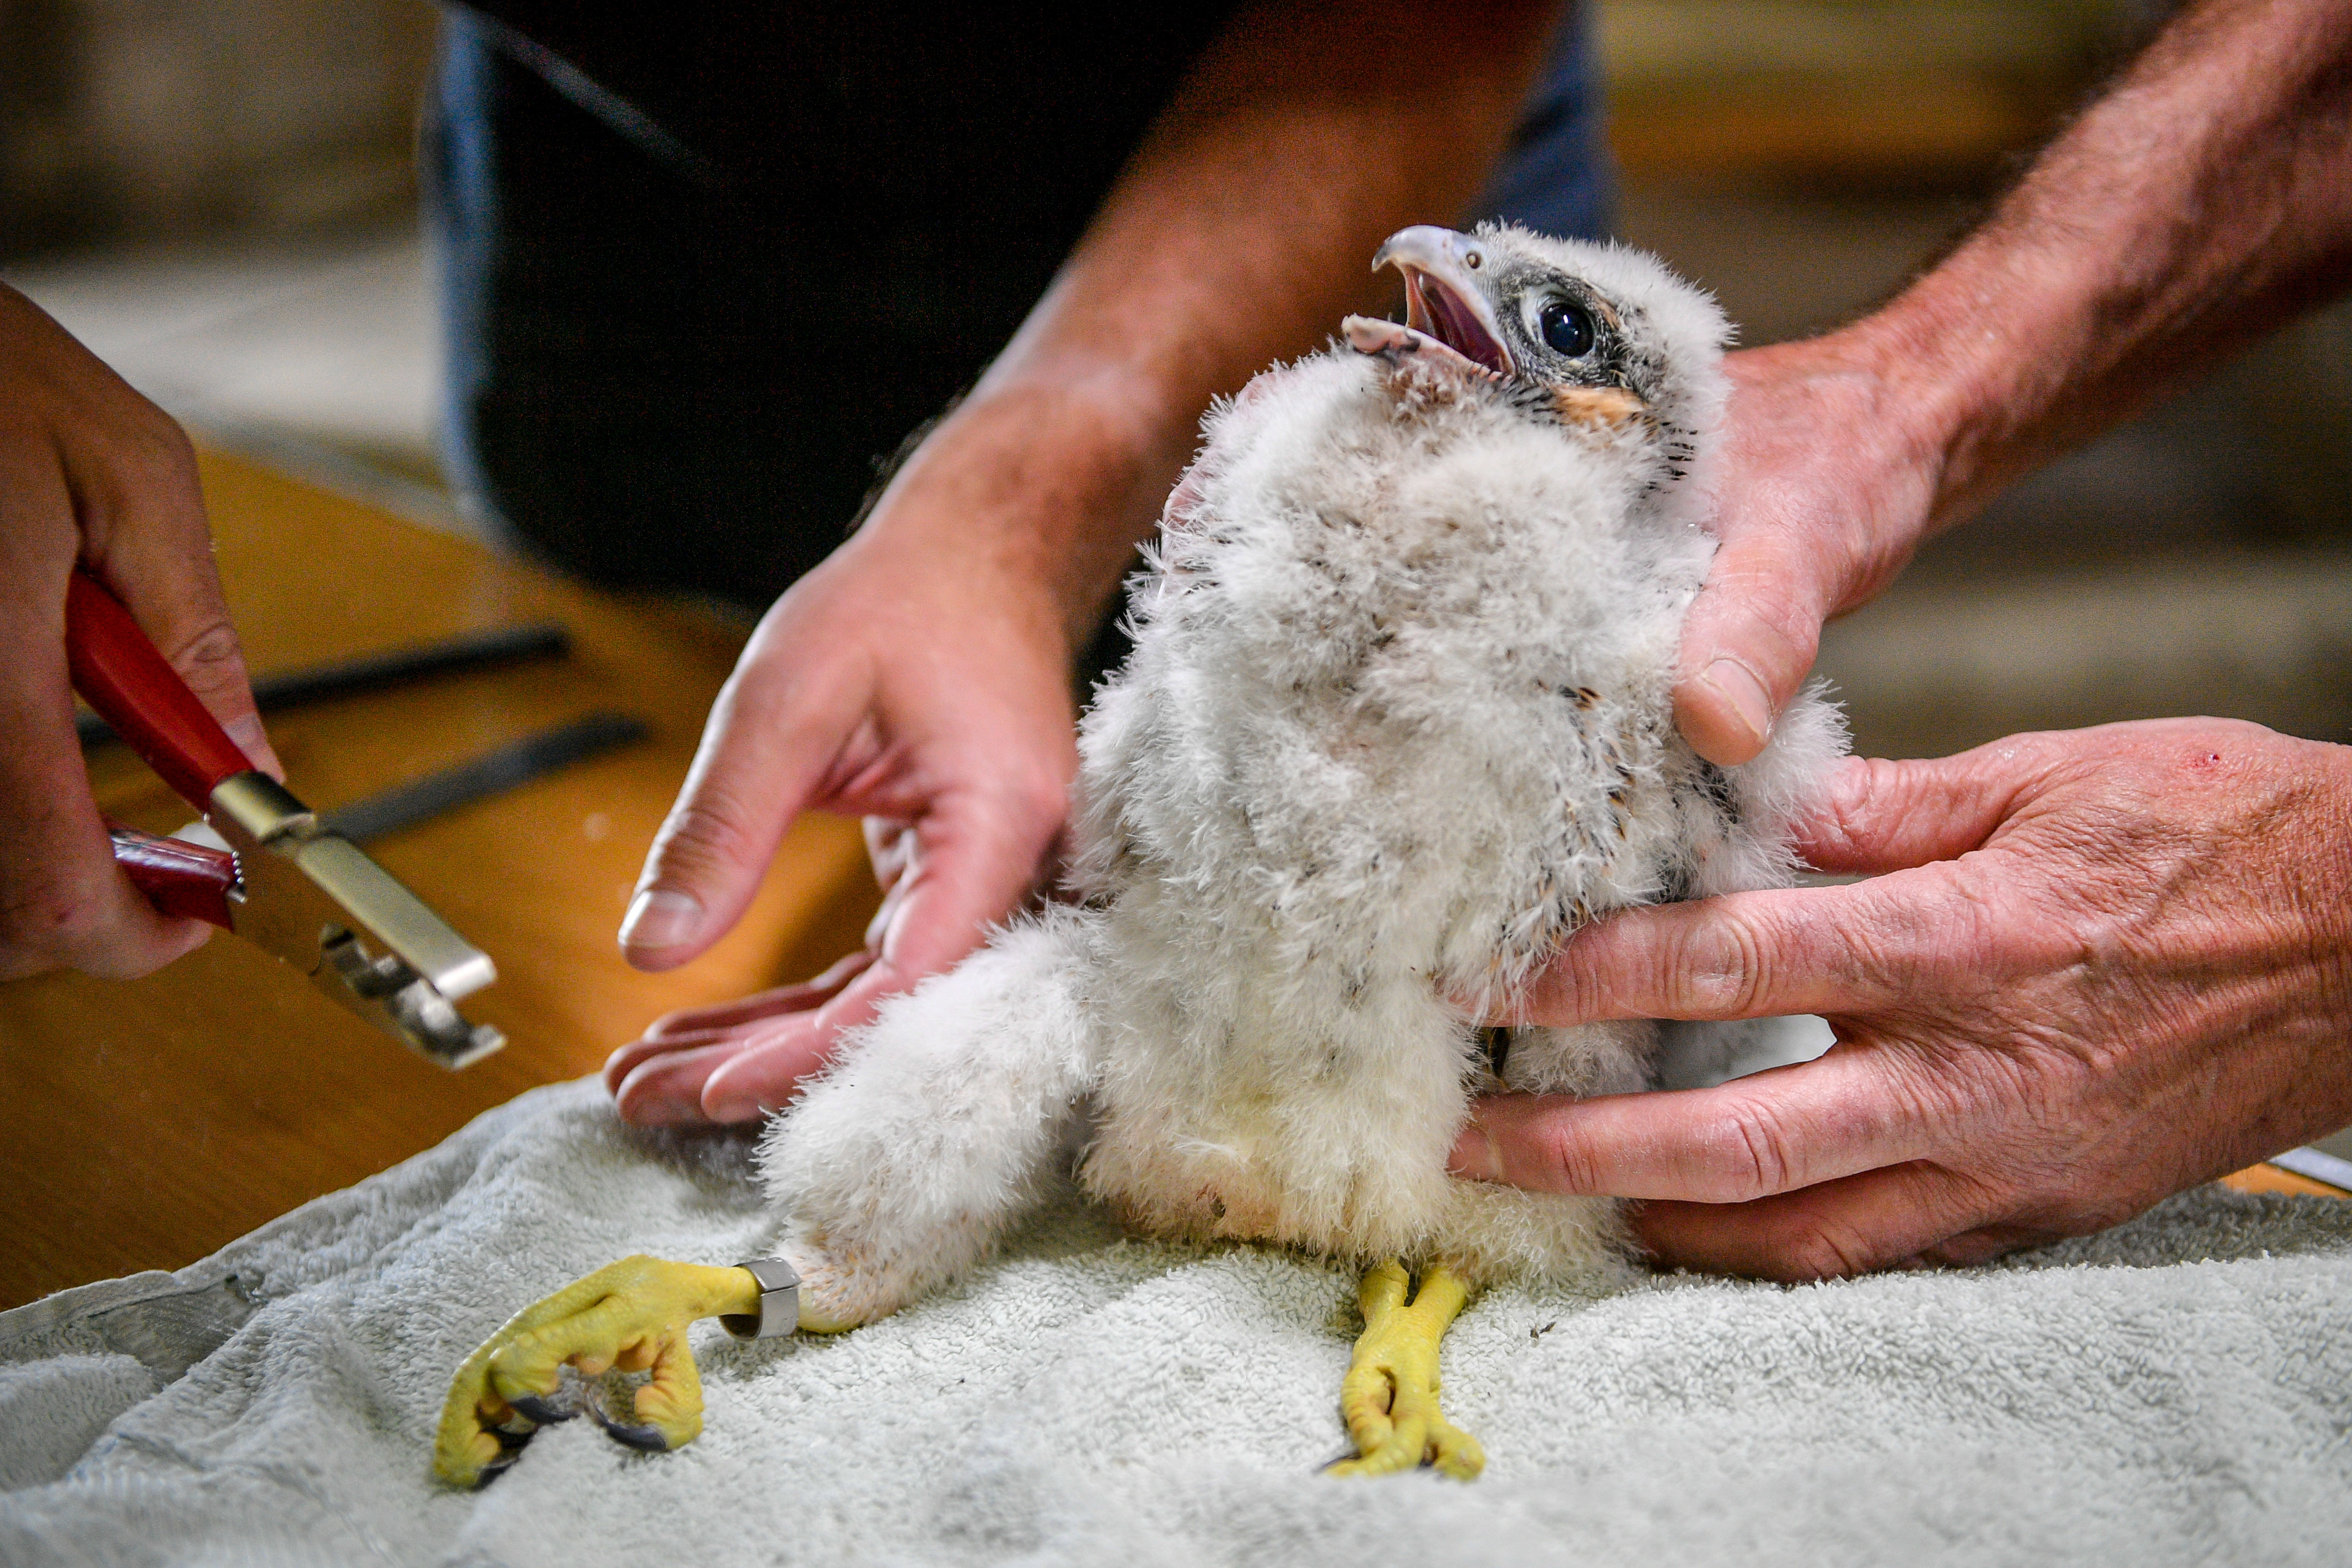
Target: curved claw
(632, 1314)
(540, 1412)
(644, 1437)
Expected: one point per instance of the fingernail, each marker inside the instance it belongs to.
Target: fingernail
(1745, 694)
(657, 1107)
(731, 1103)
(1475, 1156)
(248, 734)
(661, 918)
(252, 739)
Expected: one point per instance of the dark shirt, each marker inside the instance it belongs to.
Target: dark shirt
(706, 264)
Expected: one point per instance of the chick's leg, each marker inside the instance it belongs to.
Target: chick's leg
(632, 1314)
(940, 1124)
(1389, 1397)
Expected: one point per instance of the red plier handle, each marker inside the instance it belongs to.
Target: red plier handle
(119, 673)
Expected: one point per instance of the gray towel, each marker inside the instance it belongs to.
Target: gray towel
(2179, 1390)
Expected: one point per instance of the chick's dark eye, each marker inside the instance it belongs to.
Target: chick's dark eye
(1567, 327)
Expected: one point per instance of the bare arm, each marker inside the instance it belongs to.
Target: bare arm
(2205, 199)
(1240, 233)
(919, 678)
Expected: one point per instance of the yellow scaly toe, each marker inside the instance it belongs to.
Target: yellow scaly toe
(632, 1314)
(1389, 1397)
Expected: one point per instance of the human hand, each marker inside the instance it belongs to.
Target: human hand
(1822, 491)
(915, 680)
(91, 473)
(2100, 967)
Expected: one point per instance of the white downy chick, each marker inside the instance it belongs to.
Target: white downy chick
(1397, 721)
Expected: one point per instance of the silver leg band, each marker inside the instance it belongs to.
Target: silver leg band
(780, 1301)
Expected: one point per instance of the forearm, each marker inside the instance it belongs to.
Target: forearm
(1238, 234)
(2205, 199)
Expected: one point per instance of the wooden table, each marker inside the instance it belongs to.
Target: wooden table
(154, 1121)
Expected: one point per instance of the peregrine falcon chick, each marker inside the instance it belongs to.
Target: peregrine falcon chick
(1397, 721)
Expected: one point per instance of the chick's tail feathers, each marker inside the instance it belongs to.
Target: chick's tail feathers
(939, 1124)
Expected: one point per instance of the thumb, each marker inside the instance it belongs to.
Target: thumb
(774, 733)
(1749, 641)
(157, 559)
(188, 622)
(1824, 490)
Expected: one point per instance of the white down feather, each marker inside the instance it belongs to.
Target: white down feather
(1397, 720)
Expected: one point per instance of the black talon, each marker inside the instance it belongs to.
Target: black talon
(645, 1440)
(630, 1435)
(541, 1409)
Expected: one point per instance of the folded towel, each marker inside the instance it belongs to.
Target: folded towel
(2178, 1390)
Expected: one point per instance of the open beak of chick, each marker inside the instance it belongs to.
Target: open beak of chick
(1446, 310)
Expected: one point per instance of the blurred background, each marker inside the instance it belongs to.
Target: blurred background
(219, 197)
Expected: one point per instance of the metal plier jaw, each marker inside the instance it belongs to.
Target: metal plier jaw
(314, 899)
(276, 877)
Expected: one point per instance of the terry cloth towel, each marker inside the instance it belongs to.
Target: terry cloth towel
(2179, 1390)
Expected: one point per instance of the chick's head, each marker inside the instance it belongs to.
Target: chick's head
(1589, 336)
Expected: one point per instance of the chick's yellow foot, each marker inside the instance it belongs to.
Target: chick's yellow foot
(633, 1315)
(1389, 1397)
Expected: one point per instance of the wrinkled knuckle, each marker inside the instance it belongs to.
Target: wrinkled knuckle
(2193, 740)
(1721, 972)
(1871, 783)
(713, 828)
(2097, 940)
(1568, 1162)
(173, 454)
(1825, 1250)
(2051, 1078)
(1574, 969)
(1758, 1159)
(1855, 555)
(1790, 620)
(210, 653)
(161, 439)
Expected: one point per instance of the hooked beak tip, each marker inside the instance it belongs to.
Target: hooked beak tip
(1442, 297)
